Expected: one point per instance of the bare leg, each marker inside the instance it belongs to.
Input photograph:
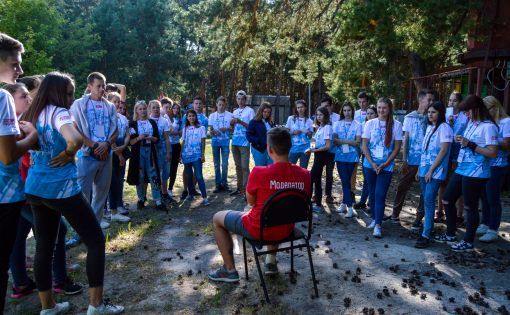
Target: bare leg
(47, 300)
(96, 296)
(224, 240)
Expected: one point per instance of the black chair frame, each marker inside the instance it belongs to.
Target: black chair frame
(285, 206)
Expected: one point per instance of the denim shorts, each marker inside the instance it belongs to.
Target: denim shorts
(234, 224)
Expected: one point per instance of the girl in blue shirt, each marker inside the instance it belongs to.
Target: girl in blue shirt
(479, 144)
(301, 130)
(52, 189)
(382, 138)
(346, 137)
(175, 144)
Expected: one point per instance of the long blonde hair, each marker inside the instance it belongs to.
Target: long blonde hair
(499, 111)
(135, 110)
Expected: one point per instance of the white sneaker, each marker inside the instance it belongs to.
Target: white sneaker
(371, 225)
(59, 308)
(122, 210)
(342, 208)
(349, 213)
(170, 193)
(120, 218)
(104, 224)
(206, 202)
(489, 236)
(377, 231)
(482, 229)
(105, 308)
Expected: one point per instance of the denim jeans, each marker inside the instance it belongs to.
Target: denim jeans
(261, 158)
(364, 191)
(378, 185)
(220, 157)
(429, 191)
(491, 198)
(345, 170)
(117, 184)
(147, 168)
(303, 159)
(471, 188)
(195, 168)
(163, 164)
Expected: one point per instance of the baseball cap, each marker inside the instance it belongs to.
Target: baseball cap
(241, 93)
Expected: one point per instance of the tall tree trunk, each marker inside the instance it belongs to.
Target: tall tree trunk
(417, 69)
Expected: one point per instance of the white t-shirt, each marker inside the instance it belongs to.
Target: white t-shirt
(217, 121)
(474, 164)
(192, 148)
(360, 116)
(334, 117)
(504, 132)
(443, 134)
(323, 133)
(347, 131)
(300, 142)
(98, 116)
(163, 126)
(375, 131)
(239, 137)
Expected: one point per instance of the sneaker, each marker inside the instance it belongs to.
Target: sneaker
(359, 206)
(395, 220)
(18, 293)
(270, 269)
(439, 217)
(462, 246)
(119, 218)
(218, 189)
(161, 207)
(59, 308)
(225, 188)
(350, 213)
(342, 208)
(140, 205)
(422, 242)
(371, 225)
(104, 225)
(445, 239)
(489, 236)
(377, 231)
(166, 198)
(330, 199)
(189, 199)
(235, 192)
(184, 195)
(206, 202)
(74, 241)
(416, 226)
(68, 288)
(196, 193)
(105, 308)
(223, 275)
(122, 210)
(482, 229)
(170, 194)
(317, 209)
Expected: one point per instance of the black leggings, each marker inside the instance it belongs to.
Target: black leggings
(320, 160)
(471, 188)
(9, 217)
(176, 154)
(79, 214)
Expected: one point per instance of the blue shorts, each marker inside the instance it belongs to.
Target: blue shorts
(234, 224)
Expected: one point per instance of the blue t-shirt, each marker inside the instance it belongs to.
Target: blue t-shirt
(11, 186)
(44, 180)
(175, 126)
(414, 125)
(375, 132)
(239, 137)
(460, 122)
(504, 132)
(344, 130)
(192, 146)
(217, 121)
(443, 134)
(301, 142)
(474, 164)
(323, 133)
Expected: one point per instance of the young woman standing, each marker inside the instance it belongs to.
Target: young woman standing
(433, 165)
(323, 138)
(382, 138)
(479, 144)
(163, 147)
(301, 130)
(347, 138)
(175, 142)
(257, 134)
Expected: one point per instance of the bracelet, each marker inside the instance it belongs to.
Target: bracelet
(472, 146)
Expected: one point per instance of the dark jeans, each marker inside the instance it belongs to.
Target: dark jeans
(364, 191)
(330, 166)
(18, 256)
(405, 183)
(491, 198)
(345, 170)
(471, 188)
(174, 164)
(195, 168)
(9, 217)
(320, 160)
(378, 185)
(79, 213)
(117, 183)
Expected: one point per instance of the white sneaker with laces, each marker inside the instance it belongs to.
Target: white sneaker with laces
(59, 308)
(104, 224)
(371, 225)
(350, 212)
(120, 218)
(489, 236)
(482, 229)
(377, 231)
(105, 308)
(122, 210)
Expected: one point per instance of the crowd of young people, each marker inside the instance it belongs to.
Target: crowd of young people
(73, 156)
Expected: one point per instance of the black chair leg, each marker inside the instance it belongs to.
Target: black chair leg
(245, 259)
(292, 256)
(261, 276)
(311, 268)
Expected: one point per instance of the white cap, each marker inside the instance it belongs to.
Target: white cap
(241, 93)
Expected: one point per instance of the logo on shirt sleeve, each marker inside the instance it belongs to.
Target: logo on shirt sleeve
(9, 122)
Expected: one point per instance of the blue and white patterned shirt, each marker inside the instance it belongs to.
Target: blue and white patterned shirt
(239, 137)
(414, 124)
(375, 131)
(301, 142)
(217, 121)
(460, 122)
(163, 126)
(443, 134)
(344, 130)
(192, 148)
(323, 133)
(175, 126)
(504, 132)
(122, 125)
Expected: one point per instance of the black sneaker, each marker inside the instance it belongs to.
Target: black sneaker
(140, 205)
(416, 226)
(68, 288)
(422, 242)
(161, 207)
(359, 206)
(235, 192)
(225, 188)
(270, 269)
(184, 195)
(218, 189)
(18, 293)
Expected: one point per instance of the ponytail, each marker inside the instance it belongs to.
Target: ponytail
(389, 123)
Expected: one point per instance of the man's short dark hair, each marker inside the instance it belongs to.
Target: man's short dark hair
(363, 94)
(31, 81)
(166, 100)
(423, 92)
(278, 138)
(9, 46)
(110, 87)
(327, 99)
(221, 99)
(95, 75)
(198, 98)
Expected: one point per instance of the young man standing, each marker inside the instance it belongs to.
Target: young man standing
(360, 116)
(219, 123)
(415, 124)
(330, 166)
(96, 120)
(15, 140)
(262, 183)
(240, 145)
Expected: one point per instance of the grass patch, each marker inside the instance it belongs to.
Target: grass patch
(128, 237)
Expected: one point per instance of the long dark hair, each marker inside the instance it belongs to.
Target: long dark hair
(439, 106)
(348, 104)
(324, 111)
(477, 106)
(389, 122)
(296, 114)
(260, 110)
(53, 90)
(191, 111)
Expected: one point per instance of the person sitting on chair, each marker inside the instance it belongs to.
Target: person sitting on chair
(262, 183)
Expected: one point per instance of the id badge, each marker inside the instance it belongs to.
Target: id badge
(345, 148)
(100, 131)
(378, 152)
